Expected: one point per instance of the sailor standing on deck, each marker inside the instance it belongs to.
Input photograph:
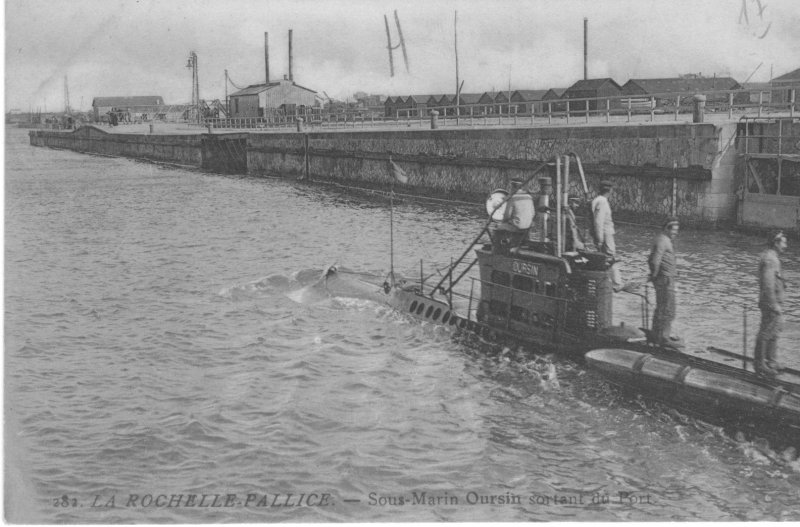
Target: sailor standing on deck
(770, 301)
(603, 231)
(663, 272)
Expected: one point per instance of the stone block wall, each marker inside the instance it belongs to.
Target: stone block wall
(642, 161)
(176, 149)
(649, 163)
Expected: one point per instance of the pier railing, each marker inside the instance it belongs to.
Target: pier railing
(672, 106)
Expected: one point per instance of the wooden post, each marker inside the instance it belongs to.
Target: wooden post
(629, 109)
(587, 110)
(730, 106)
(652, 108)
(760, 102)
(744, 337)
(674, 189)
(567, 112)
(608, 110)
(549, 113)
(677, 106)
(558, 206)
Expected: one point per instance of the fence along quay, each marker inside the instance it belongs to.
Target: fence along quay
(661, 166)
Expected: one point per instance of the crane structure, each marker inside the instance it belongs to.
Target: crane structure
(401, 44)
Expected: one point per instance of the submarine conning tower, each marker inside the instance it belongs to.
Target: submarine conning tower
(537, 277)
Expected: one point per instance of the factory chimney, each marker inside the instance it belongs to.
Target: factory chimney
(290, 55)
(266, 55)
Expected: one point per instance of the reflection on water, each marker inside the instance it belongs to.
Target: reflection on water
(152, 348)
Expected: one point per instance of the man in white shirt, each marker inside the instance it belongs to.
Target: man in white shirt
(603, 231)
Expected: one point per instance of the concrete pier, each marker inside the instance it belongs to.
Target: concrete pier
(657, 167)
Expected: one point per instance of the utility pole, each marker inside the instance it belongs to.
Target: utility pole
(67, 109)
(227, 109)
(455, 45)
(266, 56)
(192, 64)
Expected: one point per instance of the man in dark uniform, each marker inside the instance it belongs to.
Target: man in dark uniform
(663, 272)
(770, 301)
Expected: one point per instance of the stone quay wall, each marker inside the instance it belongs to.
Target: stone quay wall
(164, 148)
(652, 166)
(656, 168)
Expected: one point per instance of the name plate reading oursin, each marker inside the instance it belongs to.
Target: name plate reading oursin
(527, 268)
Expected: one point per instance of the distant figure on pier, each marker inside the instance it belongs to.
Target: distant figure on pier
(603, 231)
(770, 301)
(663, 272)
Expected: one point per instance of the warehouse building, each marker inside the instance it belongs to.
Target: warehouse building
(784, 88)
(283, 97)
(593, 89)
(688, 85)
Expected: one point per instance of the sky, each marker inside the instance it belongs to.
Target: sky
(140, 47)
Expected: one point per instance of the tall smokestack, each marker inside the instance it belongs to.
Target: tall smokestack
(290, 55)
(585, 48)
(266, 55)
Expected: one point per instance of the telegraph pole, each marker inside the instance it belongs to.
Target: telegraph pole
(192, 64)
(67, 109)
(458, 86)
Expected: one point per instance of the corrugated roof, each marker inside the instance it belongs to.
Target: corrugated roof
(136, 100)
(530, 95)
(677, 84)
(792, 76)
(469, 98)
(591, 84)
(255, 89)
(554, 93)
(419, 98)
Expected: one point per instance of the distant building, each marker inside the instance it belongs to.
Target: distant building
(447, 103)
(487, 103)
(528, 101)
(593, 89)
(368, 101)
(781, 91)
(102, 105)
(467, 102)
(552, 100)
(759, 91)
(665, 90)
(418, 104)
(283, 97)
(392, 105)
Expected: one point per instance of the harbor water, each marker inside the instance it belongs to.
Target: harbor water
(166, 361)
